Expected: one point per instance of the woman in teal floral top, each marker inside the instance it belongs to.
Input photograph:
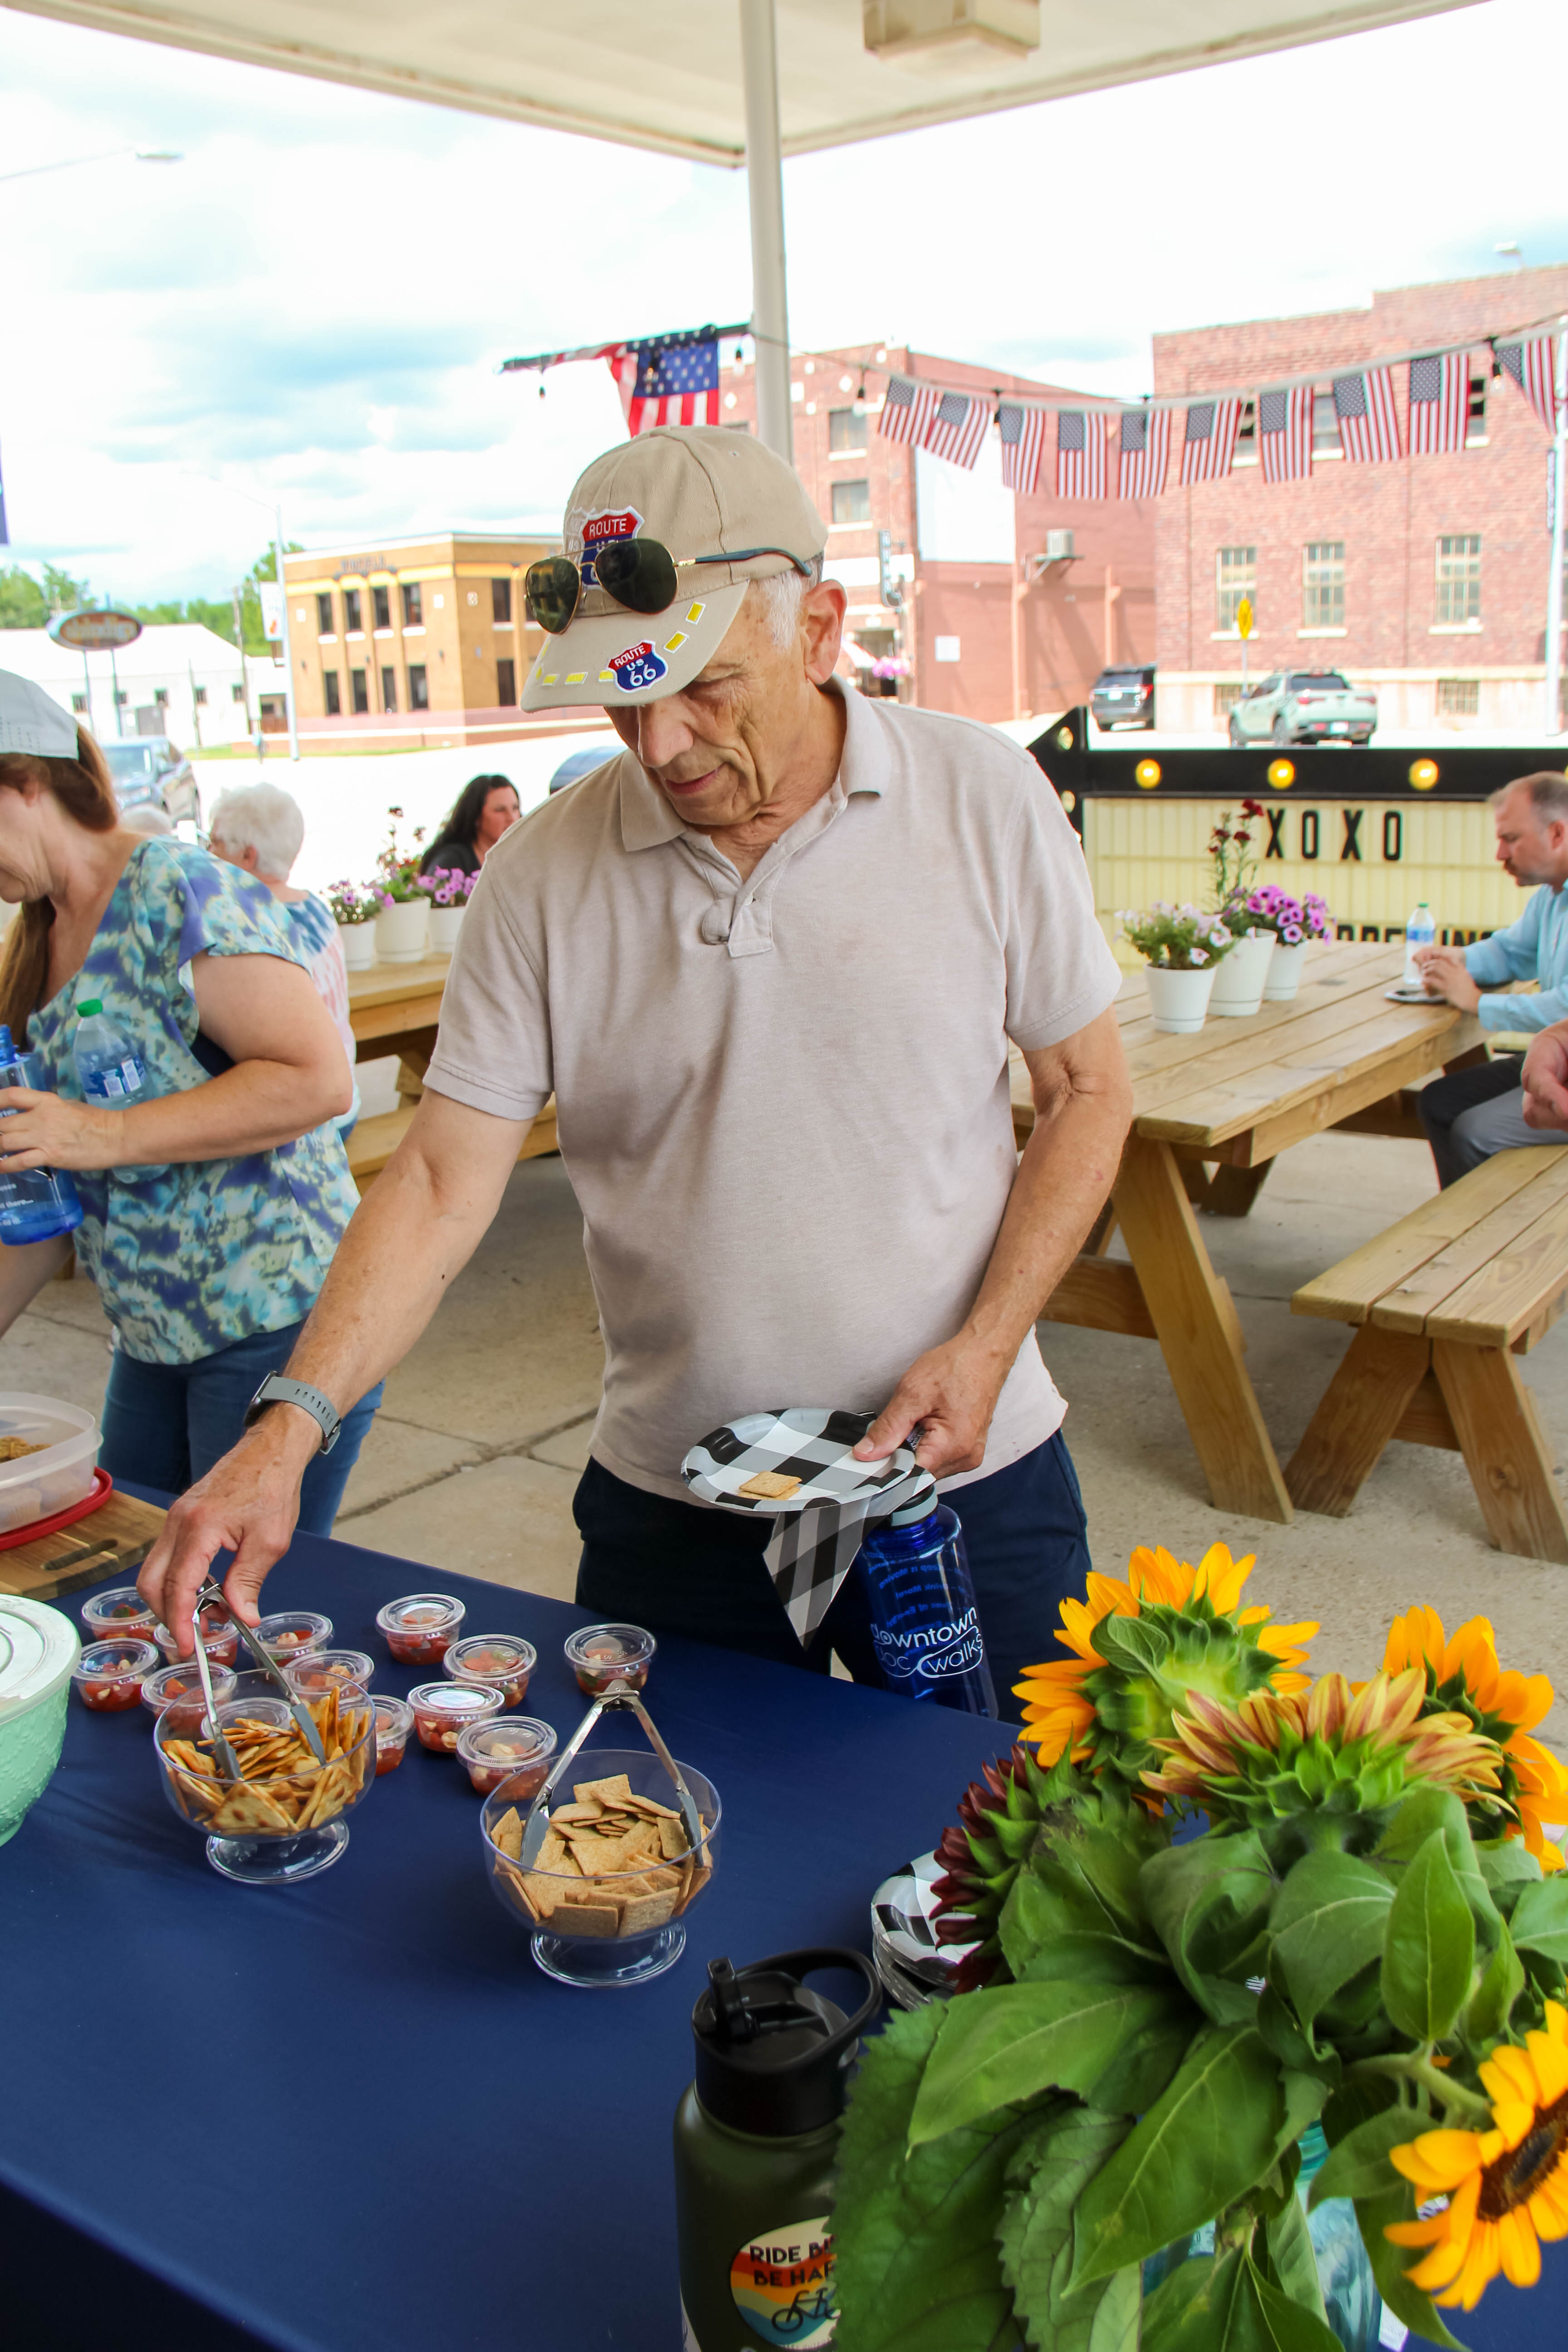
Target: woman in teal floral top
(213, 1205)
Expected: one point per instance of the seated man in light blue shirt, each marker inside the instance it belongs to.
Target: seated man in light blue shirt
(1473, 1113)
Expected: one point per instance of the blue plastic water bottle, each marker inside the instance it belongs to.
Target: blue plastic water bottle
(1420, 931)
(925, 1626)
(109, 1071)
(35, 1203)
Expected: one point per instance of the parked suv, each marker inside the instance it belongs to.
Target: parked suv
(1303, 706)
(1123, 698)
(151, 768)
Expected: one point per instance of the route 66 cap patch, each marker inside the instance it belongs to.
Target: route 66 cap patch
(637, 666)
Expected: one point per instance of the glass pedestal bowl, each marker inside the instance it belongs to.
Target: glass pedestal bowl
(273, 1830)
(613, 1928)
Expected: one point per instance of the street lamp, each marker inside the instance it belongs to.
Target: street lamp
(109, 155)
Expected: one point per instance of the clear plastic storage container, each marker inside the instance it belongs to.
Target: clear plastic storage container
(36, 1485)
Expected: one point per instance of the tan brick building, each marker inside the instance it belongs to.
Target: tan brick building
(417, 641)
(1011, 606)
(1424, 577)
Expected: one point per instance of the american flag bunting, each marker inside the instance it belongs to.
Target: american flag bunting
(1285, 433)
(1440, 402)
(1146, 453)
(1369, 420)
(1081, 453)
(907, 410)
(1023, 431)
(677, 383)
(958, 428)
(1531, 365)
(1209, 442)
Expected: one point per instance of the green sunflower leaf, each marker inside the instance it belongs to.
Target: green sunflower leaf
(1012, 2041)
(1227, 2305)
(1389, 2264)
(1358, 2165)
(1540, 1919)
(1044, 2180)
(1430, 1946)
(1502, 1982)
(1209, 1903)
(1328, 1924)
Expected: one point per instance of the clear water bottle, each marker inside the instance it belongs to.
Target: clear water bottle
(925, 1626)
(1420, 931)
(109, 1071)
(35, 1203)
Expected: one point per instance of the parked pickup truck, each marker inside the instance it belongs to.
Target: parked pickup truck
(1303, 706)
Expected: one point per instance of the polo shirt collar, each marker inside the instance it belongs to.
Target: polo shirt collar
(648, 819)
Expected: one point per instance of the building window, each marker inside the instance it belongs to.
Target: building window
(201, 695)
(500, 605)
(79, 702)
(236, 692)
(1325, 426)
(851, 501)
(120, 695)
(846, 429)
(324, 612)
(1323, 584)
(161, 697)
(418, 690)
(1459, 697)
(1475, 412)
(381, 605)
(333, 685)
(352, 620)
(1236, 576)
(1459, 578)
(413, 606)
(506, 683)
(359, 688)
(388, 687)
(1246, 436)
(1226, 698)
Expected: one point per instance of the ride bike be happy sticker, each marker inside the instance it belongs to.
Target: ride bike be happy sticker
(639, 666)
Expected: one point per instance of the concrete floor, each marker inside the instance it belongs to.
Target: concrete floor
(473, 1456)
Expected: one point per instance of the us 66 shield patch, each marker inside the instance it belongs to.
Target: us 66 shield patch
(639, 666)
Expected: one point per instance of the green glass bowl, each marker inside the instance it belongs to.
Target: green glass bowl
(38, 1648)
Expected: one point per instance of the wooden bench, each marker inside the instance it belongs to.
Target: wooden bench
(1442, 1303)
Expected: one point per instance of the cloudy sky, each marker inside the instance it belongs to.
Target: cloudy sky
(311, 307)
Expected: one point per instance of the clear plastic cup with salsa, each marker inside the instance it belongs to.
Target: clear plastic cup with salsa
(108, 1675)
(177, 1690)
(504, 1659)
(220, 1639)
(393, 1722)
(443, 1711)
(421, 1628)
(295, 1632)
(516, 1747)
(601, 1655)
(321, 1670)
(121, 1612)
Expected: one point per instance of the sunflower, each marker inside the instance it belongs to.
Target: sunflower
(1507, 2187)
(1330, 1753)
(1114, 1698)
(1463, 1676)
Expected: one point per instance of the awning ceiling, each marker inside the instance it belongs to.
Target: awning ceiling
(666, 74)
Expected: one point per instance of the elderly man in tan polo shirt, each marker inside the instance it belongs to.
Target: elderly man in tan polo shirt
(769, 961)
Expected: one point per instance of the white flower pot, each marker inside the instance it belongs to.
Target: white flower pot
(1284, 972)
(403, 930)
(1179, 1000)
(446, 922)
(358, 945)
(1239, 982)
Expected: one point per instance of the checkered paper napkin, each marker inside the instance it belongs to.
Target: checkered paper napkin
(821, 1527)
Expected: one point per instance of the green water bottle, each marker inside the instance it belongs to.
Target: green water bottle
(755, 2138)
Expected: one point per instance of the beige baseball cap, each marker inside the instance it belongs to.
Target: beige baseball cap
(700, 491)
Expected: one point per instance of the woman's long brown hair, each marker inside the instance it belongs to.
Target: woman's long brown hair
(84, 791)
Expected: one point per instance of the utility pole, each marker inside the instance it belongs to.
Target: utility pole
(1559, 498)
(286, 640)
(244, 673)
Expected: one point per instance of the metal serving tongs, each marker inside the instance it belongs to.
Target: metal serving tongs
(226, 1755)
(620, 1700)
(212, 1595)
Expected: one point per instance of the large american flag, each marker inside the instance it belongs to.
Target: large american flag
(907, 410)
(1081, 453)
(1023, 431)
(1146, 453)
(1209, 442)
(1531, 365)
(958, 428)
(1369, 420)
(1285, 433)
(675, 383)
(1439, 399)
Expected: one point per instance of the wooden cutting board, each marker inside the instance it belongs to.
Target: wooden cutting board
(113, 1539)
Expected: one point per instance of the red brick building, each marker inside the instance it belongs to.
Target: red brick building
(1424, 577)
(1011, 606)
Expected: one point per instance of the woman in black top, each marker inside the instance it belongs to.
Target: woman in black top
(485, 809)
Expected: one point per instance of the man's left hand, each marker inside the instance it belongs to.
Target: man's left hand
(1444, 974)
(951, 1393)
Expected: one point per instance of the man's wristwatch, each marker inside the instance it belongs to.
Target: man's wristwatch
(275, 1388)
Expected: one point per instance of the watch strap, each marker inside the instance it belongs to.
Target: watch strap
(279, 1389)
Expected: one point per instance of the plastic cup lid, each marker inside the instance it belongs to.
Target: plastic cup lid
(39, 1647)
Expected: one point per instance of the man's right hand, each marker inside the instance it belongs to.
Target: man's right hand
(1545, 1080)
(248, 1504)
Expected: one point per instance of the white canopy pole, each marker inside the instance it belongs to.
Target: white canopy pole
(1559, 522)
(764, 174)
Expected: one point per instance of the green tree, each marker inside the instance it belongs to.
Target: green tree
(25, 605)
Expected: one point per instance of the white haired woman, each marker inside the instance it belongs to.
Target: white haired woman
(261, 828)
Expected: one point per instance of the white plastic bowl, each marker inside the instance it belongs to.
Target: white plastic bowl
(36, 1485)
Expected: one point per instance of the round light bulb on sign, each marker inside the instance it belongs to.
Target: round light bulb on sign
(1146, 775)
(1244, 618)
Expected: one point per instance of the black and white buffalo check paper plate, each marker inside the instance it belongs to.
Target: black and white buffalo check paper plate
(913, 1965)
(818, 1529)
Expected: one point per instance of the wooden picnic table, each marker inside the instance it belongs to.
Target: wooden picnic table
(395, 1008)
(1230, 1099)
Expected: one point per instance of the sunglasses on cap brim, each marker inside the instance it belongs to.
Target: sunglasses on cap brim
(639, 573)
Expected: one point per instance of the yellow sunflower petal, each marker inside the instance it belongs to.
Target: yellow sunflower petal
(1442, 2265)
(1549, 2058)
(1438, 2159)
(1507, 2075)
(1521, 2253)
(1482, 2262)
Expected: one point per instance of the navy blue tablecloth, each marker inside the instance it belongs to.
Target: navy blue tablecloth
(352, 2115)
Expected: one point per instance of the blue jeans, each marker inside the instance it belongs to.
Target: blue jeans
(677, 1568)
(166, 1424)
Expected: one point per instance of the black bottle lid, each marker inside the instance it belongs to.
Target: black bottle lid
(773, 2057)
